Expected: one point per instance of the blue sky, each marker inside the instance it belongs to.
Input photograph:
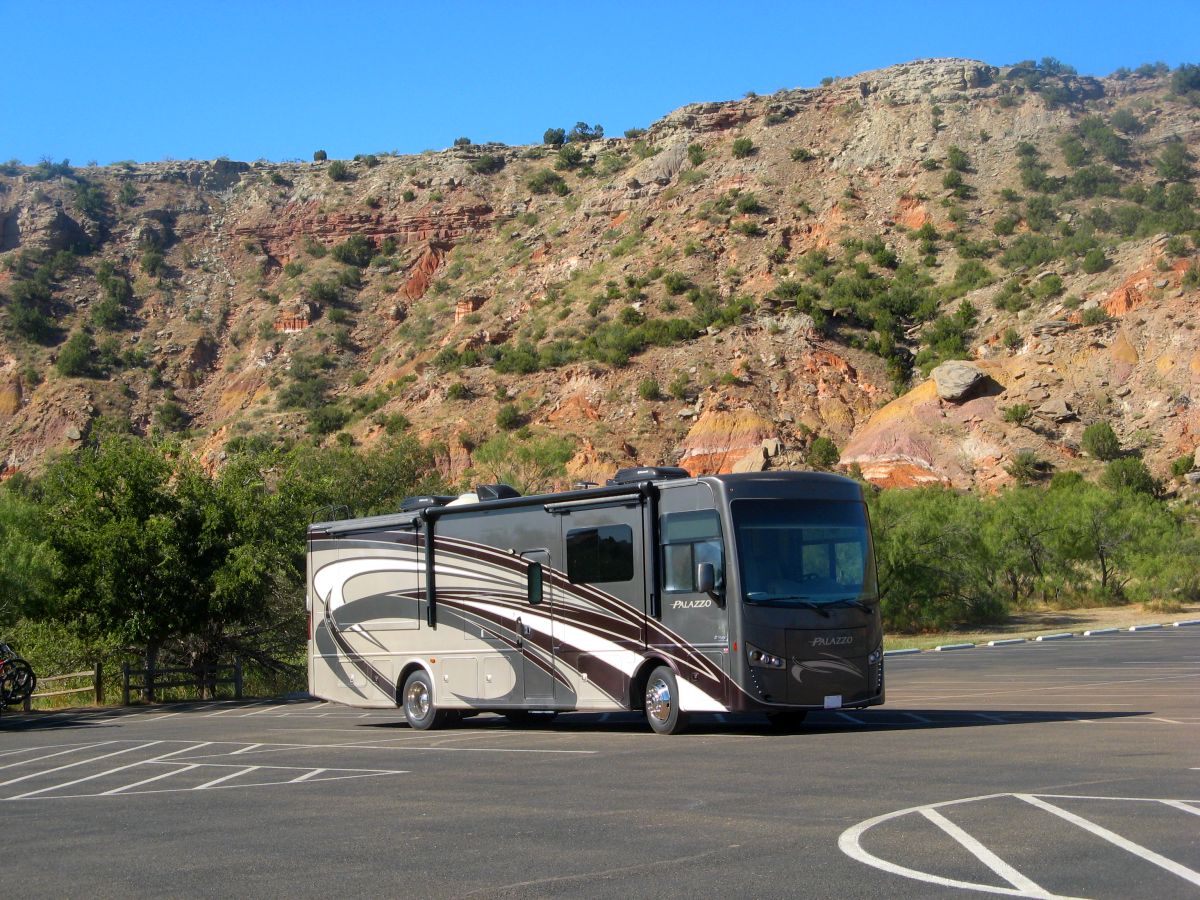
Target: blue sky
(119, 80)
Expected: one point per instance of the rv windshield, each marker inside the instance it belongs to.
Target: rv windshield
(804, 552)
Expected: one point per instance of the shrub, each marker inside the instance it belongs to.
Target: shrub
(171, 416)
(1130, 474)
(1094, 261)
(488, 164)
(1025, 467)
(545, 181)
(339, 171)
(509, 418)
(556, 137)
(1017, 414)
(742, 147)
(1124, 120)
(569, 157)
(1100, 441)
(1097, 315)
(971, 274)
(76, 358)
(462, 142)
(458, 391)
(957, 160)
(356, 250)
(1183, 465)
(802, 154)
(696, 154)
(649, 389)
(409, 196)
(320, 156)
(1174, 163)
(327, 419)
(747, 204)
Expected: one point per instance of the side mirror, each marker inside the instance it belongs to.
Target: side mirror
(706, 581)
(534, 584)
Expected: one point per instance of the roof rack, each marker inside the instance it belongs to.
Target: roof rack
(648, 473)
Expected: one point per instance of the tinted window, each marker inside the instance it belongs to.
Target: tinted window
(690, 539)
(596, 555)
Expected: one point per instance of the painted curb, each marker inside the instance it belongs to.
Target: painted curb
(1144, 627)
(906, 652)
(1185, 623)
(1006, 642)
(1054, 637)
(1097, 631)
(954, 647)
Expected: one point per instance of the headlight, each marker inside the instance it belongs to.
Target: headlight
(763, 660)
(876, 656)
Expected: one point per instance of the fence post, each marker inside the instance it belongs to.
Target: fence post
(237, 678)
(98, 676)
(125, 683)
(151, 665)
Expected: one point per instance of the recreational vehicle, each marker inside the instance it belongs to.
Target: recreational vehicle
(659, 592)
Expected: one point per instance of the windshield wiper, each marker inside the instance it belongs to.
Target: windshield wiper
(798, 600)
(850, 601)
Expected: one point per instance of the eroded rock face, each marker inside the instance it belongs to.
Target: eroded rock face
(957, 379)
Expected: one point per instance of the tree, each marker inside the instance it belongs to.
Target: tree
(1094, 261)
(530, 466)
(569, 157)
(27, 562)
(357, 250)
(462, 142)
(823, 453)
(320, 156)
(556, 137)
(585, 132)
(1101, 442)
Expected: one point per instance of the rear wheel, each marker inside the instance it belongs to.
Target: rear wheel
(662, 703)
(788, 720)
(417, 699)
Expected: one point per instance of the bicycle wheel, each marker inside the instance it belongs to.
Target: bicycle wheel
(18, 682)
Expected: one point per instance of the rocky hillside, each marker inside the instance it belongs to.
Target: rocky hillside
(764, 282)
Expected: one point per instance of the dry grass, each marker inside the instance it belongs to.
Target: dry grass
(1050, 621)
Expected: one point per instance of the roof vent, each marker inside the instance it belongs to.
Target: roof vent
(412, 504)
(648, 473)
(487, 492)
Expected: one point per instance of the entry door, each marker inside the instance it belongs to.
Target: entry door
(535, 635)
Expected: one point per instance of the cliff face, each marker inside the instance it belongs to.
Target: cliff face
(718, 292)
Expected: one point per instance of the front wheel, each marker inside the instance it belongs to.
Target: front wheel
(662, 703)
(417, 700)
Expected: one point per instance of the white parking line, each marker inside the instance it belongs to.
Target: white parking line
(127, 787)
(132, 765)
(984, 855)
(1113, 838)
(1179, 804)
(23, 762)
(225, 778)
(307, 775)
(81, 762)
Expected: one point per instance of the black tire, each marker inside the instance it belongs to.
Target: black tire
(416, 699)
(662, 703)
(530, 717)
(789, 720)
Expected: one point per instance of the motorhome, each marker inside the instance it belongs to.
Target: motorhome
(658, 592)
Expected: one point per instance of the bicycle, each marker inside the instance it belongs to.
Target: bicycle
(17, 679)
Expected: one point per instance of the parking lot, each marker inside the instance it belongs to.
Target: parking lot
(1063, 769)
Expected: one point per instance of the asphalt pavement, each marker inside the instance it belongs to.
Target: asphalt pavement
(1043, 769)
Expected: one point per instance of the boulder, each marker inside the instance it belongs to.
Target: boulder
(956, 379)
(1056, 409)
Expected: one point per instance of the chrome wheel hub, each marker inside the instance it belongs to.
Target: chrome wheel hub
(658, 699)
(416, 701)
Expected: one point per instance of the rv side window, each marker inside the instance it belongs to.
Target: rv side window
(596, 555)
(689, 539)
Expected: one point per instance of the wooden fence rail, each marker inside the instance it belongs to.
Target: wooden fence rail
(96, 688)
(148, 680)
